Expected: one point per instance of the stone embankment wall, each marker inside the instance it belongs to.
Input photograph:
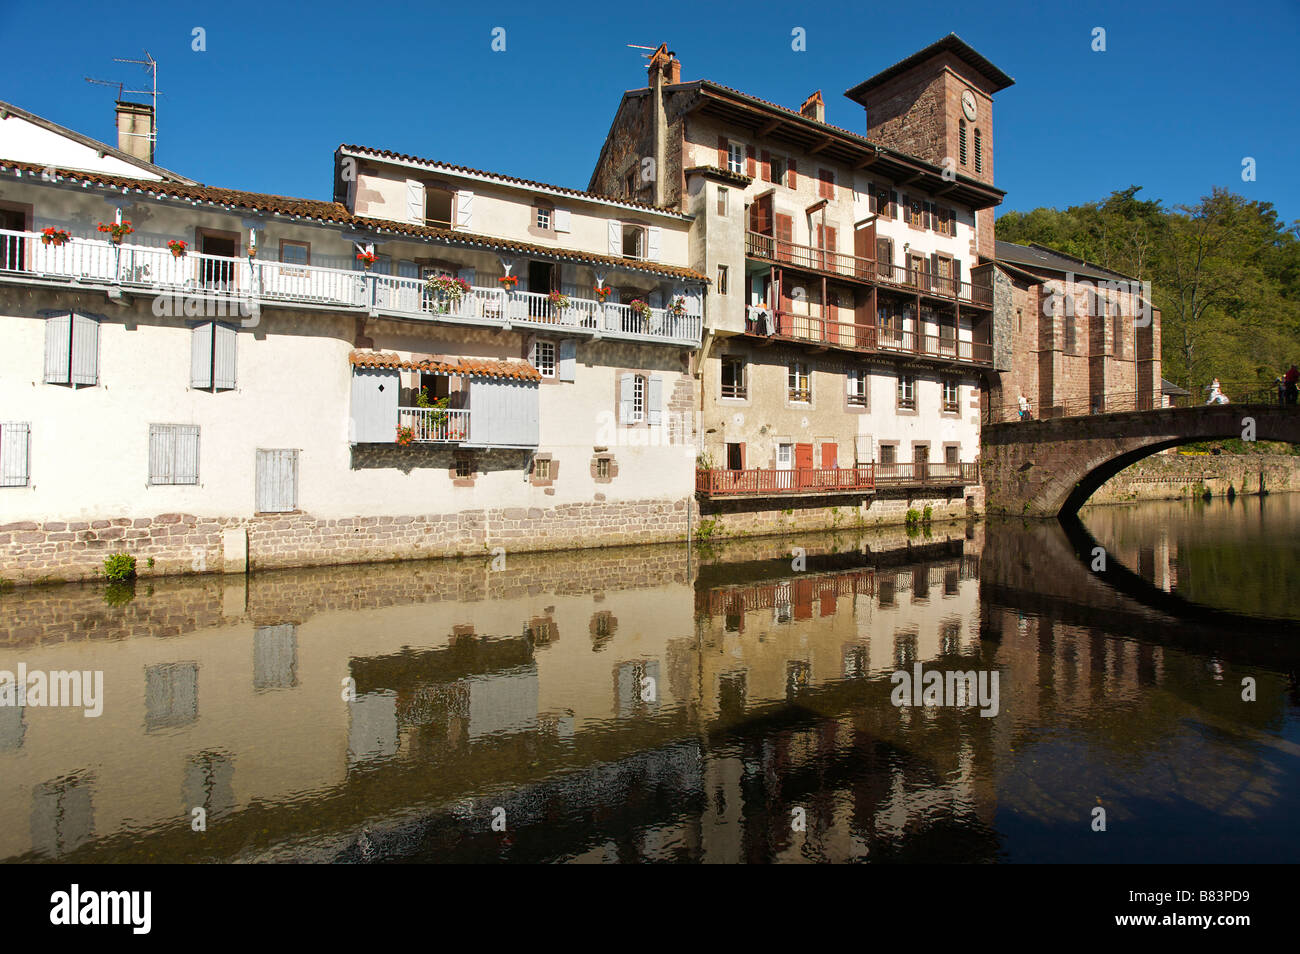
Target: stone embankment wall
(1170, 476)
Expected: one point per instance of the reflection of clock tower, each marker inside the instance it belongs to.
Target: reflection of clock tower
(937, 105)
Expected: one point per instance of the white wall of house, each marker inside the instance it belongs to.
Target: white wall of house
(24, 141)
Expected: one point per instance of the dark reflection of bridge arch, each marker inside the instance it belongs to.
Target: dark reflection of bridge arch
(1046, 568)
(1050, 468)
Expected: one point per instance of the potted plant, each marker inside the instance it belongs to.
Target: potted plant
(438, 405)
(116, 230)
(508, 282)
(367, 258)
(405, 436)
(602, 293)
(559, 302)
(448, 290)
(178, 247)
(55, 237)
(677, 307)
(640, 308)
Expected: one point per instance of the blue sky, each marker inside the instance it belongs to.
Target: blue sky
(1182, 93)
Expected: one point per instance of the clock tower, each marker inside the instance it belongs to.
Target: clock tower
(937, 105)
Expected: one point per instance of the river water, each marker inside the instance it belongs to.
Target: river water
(668, 703)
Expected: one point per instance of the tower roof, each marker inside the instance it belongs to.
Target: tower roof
(951, 43)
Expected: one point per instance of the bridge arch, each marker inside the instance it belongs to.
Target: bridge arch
(1050, 468)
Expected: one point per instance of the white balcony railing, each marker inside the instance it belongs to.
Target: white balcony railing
(101, 262)
(430, 424)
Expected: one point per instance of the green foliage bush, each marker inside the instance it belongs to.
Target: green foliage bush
(119, 568)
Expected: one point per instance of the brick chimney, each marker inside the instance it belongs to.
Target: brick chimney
(664, 64)
(814, 107)
(135, 130)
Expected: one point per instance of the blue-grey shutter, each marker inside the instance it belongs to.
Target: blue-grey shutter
(503, 413)
(223, 365)
(568, 359)
(625, 398)
(185, 470)
(15, 441)
(58, 349)
(201, 356)
(656, 399)
(374, 405)
(277, 481)
(85, 350)
(162, 453)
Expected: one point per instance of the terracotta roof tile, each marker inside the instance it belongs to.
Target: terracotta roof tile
(473, 367)
(335, 213)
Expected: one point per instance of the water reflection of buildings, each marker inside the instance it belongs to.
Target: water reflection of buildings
(617, 705)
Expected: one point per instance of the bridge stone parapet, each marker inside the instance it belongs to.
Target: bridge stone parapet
(1049, 468)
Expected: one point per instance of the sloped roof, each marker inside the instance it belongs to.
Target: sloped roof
(470, 367)
(951, 43)
(1035, 256)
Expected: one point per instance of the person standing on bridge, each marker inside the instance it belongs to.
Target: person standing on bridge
(1216, 395)
(1292, 382)
(1024, 409)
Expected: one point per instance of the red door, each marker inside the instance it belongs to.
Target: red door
(829, 454)
(803, 464)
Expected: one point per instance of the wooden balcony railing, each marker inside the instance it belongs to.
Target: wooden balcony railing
(863, 478)
(430, 425)
(875, 338)
(809, 257)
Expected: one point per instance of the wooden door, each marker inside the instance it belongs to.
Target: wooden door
(864, 247)
(784, 237)
(803, 464)
(830, 453)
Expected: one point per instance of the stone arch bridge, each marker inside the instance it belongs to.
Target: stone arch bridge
(1050, 468)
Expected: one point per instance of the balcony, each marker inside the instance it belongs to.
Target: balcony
(845, 265)
(435, 425)
(100, 264)
(864, 478)
(875, 339)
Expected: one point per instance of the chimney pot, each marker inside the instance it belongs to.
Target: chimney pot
(135, 129)
(814, 107)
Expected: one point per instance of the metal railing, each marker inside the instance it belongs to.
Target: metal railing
(253, 279)
(875, 338)
(770, 248)
(1115, 402)
(435, 425)
(812, 480)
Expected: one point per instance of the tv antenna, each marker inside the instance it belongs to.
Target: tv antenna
(151, 67)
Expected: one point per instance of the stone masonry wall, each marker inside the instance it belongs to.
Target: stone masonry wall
(1170, 476)
(186, 543)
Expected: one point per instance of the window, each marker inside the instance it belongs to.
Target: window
(544, 219)
(733, 376)
(437, 206)
(889, 453)
(785, 456)
(722, 279)
(916, 214)
(173, 454)
(797, 385)
(542, 469)
(735, 157)
(950, 394)
(543, 358)
(884, 203)
(294, 253)
(277, 481)
(778, 171)
(638, 399)
(464, 467)
(961, 142)
(857, 385)
(723, 196)
(979, 153)
(951, 453)
(826, 183)
(71, 350)
(15, 445)
(602, 468)
(906, 391)
(633, 242)
(212, 357)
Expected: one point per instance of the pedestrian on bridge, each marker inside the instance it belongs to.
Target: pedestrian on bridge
(1025, 414)
(1292, 382)
(1216, 395)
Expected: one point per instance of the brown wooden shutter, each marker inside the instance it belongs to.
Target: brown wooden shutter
(871, 198)
(749, 162)
(766, 165)
(893, 205)
(927, 217)
(826, 183)
(794, 177)
(742, 456)
(722, 152)
(830, 238)
(784, 233)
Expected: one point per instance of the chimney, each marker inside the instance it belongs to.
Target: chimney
(814, 108)
(135, 130)
(664, 64)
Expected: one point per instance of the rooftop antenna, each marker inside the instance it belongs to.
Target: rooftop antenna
(151, 67)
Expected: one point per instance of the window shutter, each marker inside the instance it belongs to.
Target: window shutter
(562, 221)
(656, 399)
(277, 481)
(826, 183)
(162, 453)
(15, 442)
(722, 152)
(568, 359)
(749, 161)
(186, 468)
(415, 201)
(927, 217)
(467, 274)
(616, 238)
(829, 236)
(766, 165)
(58, 349)
(794, 178)
(85, 350)
(893, 204)
(464, 209)
(652, 243)
(871, 199)
(625, 407)
(224, 343)
(201, 356)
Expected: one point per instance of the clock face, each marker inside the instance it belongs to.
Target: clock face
(968, 104)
